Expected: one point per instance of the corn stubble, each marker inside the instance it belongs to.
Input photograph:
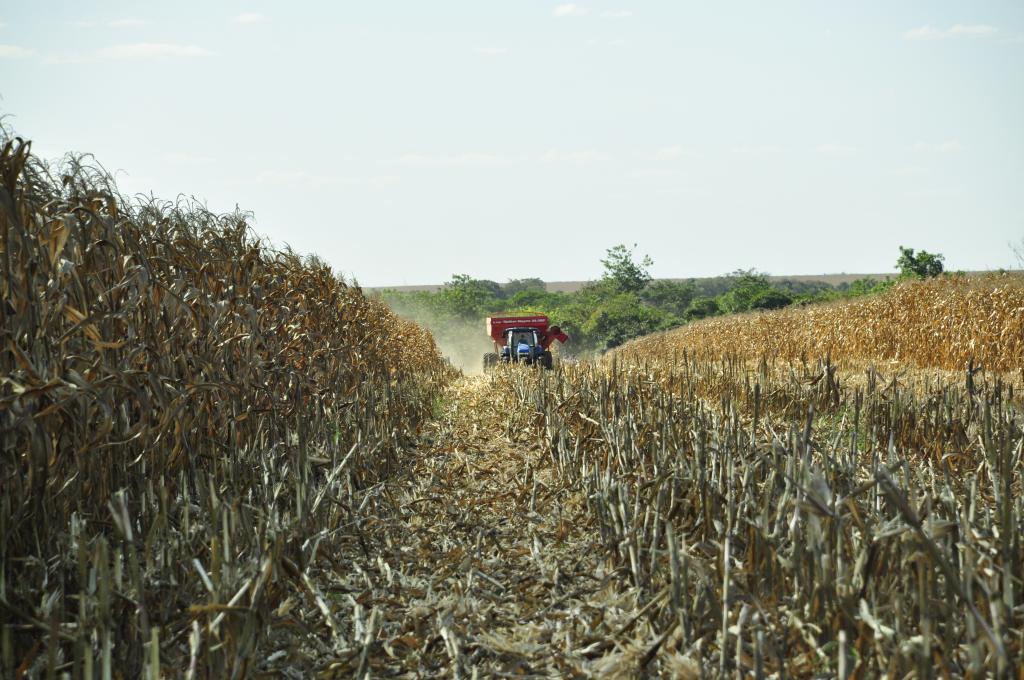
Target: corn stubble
(187, 416)
(798, 519)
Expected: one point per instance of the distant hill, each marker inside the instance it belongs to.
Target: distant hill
(573, 286)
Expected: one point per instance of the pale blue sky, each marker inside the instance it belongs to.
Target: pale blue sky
(406, 141)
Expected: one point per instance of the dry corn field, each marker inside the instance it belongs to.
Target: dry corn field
(219, 461)
(940, 323)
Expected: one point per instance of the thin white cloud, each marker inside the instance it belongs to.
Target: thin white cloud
(59, 59)
(127, 23)
(15, 52)
(929, 32)
(831, 149)
(948, 146)
(448, 161)
(570, 10)
(669, 153)
(617, 14)
(152, 51)
(491, 51)
(248, 18)
(972, 29)
(587, 156)
(3, 24)
(923, 33)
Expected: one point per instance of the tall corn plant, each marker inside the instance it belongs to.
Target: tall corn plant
(187, 415)
(944, 323)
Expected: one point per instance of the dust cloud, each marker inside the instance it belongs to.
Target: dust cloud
(462, 342)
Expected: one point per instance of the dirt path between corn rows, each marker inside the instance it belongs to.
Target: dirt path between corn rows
(476, 562)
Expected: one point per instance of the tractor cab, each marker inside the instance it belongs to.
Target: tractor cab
(520, 345)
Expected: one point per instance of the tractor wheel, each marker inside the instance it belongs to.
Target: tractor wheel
(546, 360)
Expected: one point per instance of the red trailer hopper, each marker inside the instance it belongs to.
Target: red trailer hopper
(497, 326)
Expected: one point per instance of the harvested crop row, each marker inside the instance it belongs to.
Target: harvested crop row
(941, 323)
(179, 404)
(782, 525)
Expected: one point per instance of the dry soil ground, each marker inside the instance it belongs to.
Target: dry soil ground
(475, 562)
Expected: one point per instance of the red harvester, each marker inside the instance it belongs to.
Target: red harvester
(523, 338)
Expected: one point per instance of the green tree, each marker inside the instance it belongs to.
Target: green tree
(920, 265)
(623, 318)
(702, 307)
(519, 285)
(467, 297)
(623, 272)
(493, 288)
(771, 298)
(867, 285)
(532, 298)
(747, 286)
(670, 296)
(571, 315)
